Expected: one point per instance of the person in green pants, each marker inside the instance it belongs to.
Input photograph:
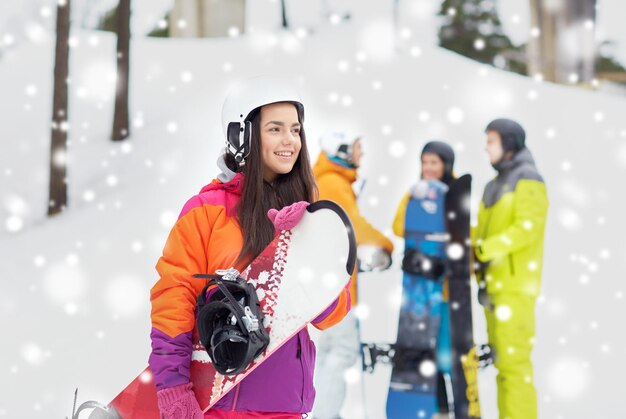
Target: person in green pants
(508, 251)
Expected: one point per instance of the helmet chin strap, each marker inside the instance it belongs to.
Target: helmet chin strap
(238, 140)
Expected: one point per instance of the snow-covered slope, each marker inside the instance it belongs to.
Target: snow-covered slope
(74, 308)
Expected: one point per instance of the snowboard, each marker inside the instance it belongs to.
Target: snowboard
(297, 276)
(413, 387)
(465, 359)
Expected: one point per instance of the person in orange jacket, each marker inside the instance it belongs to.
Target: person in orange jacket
(335, 171)
(265, 165)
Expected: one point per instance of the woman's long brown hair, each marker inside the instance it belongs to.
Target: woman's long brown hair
(259, 196)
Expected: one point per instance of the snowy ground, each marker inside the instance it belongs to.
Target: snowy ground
(74, 306)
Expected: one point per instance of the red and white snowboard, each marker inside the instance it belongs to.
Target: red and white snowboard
(298, 275)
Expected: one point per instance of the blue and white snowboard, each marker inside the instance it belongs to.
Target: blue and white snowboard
(422, 348)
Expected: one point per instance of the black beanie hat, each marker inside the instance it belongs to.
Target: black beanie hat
(445, 153)
(512, 134)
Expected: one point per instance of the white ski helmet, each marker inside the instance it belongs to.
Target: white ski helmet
(245, 97)
(339, 144)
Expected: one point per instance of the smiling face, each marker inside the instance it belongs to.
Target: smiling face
(433, 167)
(280, 139)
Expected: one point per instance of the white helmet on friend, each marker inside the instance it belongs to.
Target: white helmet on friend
(245, 97)
(339, 144)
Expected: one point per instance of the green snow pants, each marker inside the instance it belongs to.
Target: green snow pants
(511, 330)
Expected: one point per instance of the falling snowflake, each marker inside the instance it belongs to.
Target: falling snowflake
(556, 307)
(168, 219)
(570, 219)
(456, 115)
(33, 354)
(145, 377)
(362, 311)
(89, 195)
(397, 149)
(479, 44)
(566, 378)
(136, 246)
(352, 375)
(503, 312)
(598, 116)
(377, 39)
(112, 180)
(306, 275)
(71, 260)
(455, 251)
(64, 284)
(329, 279)
(427, 368)
(126, 295)
(171, 127)
(423, 116)
(71, 309)
(14, 223)
(416, 51)
(39, 261)
(605, 254)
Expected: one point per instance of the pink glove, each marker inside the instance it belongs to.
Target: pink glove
(179, 402)
(289, 216)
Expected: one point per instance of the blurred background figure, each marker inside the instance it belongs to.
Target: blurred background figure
(508, 243)
(338, 349)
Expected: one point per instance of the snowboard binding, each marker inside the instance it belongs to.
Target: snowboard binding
(486, 355)
(417, 263)
(98, 410)
(230, 322)
(373, 354)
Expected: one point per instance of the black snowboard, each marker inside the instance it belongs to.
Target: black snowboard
(465, 360)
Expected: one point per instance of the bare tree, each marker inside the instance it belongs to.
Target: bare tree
(206, 18)
(563, 44)
(580, 22)
(541, 54)
(58, 150)
(283, 14)
(120, 116)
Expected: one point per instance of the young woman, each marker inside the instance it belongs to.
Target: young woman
(265, 165)
(436, 175)
(437, 164)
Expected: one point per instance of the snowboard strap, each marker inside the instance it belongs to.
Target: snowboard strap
(417, 263)
(230, 322)
(410, 359)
